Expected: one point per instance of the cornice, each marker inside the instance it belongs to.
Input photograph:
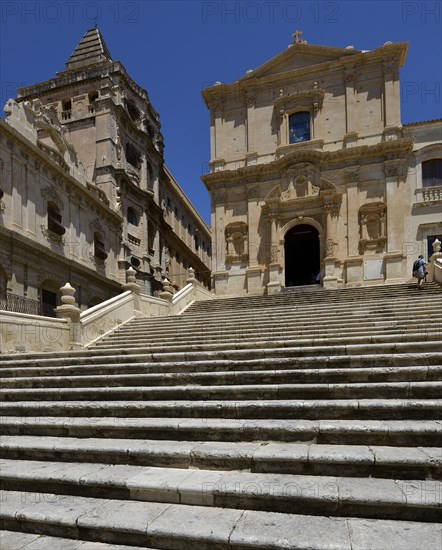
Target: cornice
(325, 159)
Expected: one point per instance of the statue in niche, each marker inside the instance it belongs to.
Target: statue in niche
(236, 242)
(372, 223)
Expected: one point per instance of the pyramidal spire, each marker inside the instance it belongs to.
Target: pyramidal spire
(91, 50)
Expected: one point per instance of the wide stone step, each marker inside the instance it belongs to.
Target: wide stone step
(166, 526)
(404, 390)
(82, 379)
(287, 493)
(13, 540)
(375, 409)
(307, 337)
(406, 433)
(134, 363)
(283, 458)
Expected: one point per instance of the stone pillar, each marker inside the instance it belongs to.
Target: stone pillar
(437, 255)
(133, 286)
(69, 311)
(167, 293)
(191, 279)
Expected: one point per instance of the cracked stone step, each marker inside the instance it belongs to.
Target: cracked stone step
(293, 458)
(406, 433)
(371, 409)
(375, 374)
(338, 391)
(165, 526)
(413, 500)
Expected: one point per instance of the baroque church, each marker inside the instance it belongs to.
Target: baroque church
(84, 192)
(313, 178)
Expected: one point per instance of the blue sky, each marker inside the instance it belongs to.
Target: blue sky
(173, 49)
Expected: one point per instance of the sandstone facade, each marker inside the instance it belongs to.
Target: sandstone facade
(85, 192)
(314, 178)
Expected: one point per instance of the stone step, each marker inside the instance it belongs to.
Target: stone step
(354, 335)
(143, 363)
(413, 500)
(182, 527)
(271, 349)
(372, 409)
(283, 458)
(405, 433)
(263, 302)
(369, 311)
(83, 379)
(13, 540)
(197, 393)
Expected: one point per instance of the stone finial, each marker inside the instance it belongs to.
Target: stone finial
(67, 295)
(436, 246)
(131, 284)
(167, 293)
(191, 276)
(131, 275)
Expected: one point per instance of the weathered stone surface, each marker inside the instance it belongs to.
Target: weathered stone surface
(276, 531)
(366, 534)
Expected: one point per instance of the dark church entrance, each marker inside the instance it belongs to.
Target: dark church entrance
(302, 262)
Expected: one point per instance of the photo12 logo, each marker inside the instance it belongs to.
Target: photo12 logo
(70, 12)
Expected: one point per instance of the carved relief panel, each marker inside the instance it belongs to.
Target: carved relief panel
(372, 223)
(237, 242)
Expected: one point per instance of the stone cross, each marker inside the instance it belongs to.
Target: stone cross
(297, 37)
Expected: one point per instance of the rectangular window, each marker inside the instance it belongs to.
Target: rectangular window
(432, 173)
(299, 127)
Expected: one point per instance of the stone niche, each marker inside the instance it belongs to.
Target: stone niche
(372, 225)
(237, 243)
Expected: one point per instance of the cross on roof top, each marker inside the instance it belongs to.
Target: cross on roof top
(297, 38)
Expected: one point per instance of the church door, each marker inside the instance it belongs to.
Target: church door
(302, 261)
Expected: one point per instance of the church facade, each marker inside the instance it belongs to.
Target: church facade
(84, 191)
(313, 178)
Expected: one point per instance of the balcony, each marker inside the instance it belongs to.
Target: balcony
(429, 196)
(20, 304)
(66, 115)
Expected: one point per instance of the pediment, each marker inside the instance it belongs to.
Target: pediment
(299, 56)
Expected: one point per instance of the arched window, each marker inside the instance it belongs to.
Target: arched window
(132, 217)
(54, 219)
(299, 127)
(99, 251)
(432, 173)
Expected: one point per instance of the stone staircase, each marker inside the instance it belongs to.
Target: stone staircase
(307, 419)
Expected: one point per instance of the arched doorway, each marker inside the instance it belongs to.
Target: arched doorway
(302, 255)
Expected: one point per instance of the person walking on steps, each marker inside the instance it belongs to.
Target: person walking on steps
(419, 270)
